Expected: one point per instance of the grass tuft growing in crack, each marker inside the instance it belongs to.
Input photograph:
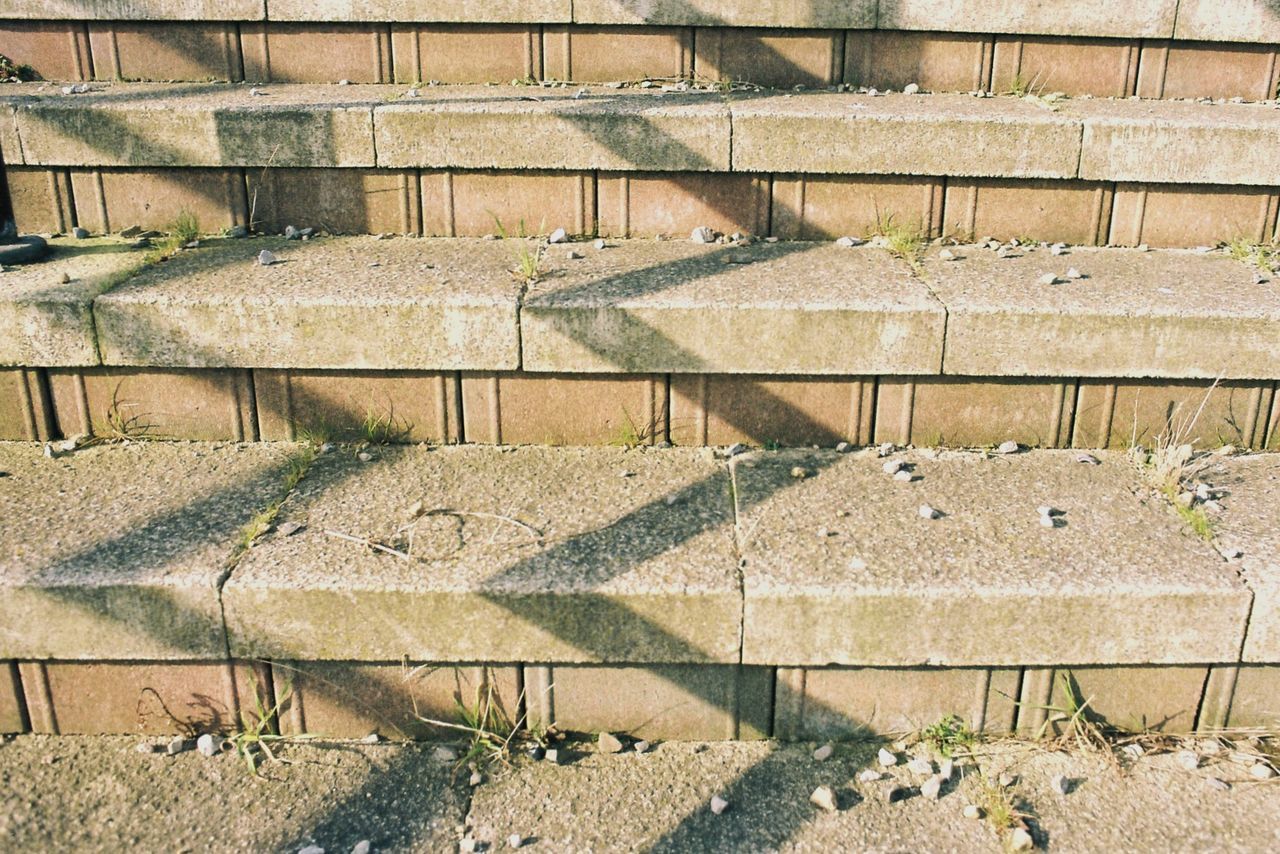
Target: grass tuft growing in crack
(297, 465)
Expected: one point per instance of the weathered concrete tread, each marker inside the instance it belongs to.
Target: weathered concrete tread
(521, 127)
(118, 552)
(353, 302)
(841, 567)
(531, 554)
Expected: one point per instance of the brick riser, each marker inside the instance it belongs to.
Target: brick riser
(597, 409)
(706, 702)
(452, 53)
(812, 207)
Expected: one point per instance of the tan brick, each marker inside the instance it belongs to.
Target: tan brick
(410, 406)
(205, 405)
(13, 716)
(843, 702)
(644, 205)
(1191, 70)
(339, 201)
(316, 53)
(781, 58)
(973, 412)
(692, 702)
(465, 54)
(472, 204)
(1076, 212)
(1184, 216)
(41, 199)
(133, 697)
(936, 62)
(1118, 415)
(1107, 68)
(110, 200)
(826, 207)
(173, 50)
(25, 409)
(564, 409)
(601, 54)
(343, 699)
(721, 409)
(1215, 705)
(1134, 698)
(1256, 700)
(56, 50)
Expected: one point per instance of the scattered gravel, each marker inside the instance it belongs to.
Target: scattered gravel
(824, 797)
(886, 759)
(718, 805)
(607, 742)
(823, 753)
(927, 512)
(703, 234)
(266, 258)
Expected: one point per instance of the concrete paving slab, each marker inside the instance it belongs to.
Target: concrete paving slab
(523, 127)
(100, 794)
(614, 568)
(774, 308)
(1240, 21)
(660, 802)
(207, 124)
(902, 135)
(1177, 142)
(1251, 524)
(332, 303)
(137, 10)
(1117, 581)
(48, 322)
(1168, 313)
(442, 11)
(116, 552)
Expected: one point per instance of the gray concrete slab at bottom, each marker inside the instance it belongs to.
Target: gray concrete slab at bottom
(99, 793)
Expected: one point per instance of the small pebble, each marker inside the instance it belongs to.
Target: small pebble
(558, 236)
(911, 89)
(1133, 751)
(927, 512)
(1074, 274)
(850, 242)
(1006, 779)
(824, 797)
(607, 742)
(555, 756)
(972, 811)
(364, 456)
(80, 233)
(1219, 785)
(893, 466)
(920, 765)
(904, 476)
(1188, 760)
(288, 529)
(468, 845)
(64, 279)
(147, 747)
(642, 746)
(515, 840)
(599, 244)
(947, 255)
(886, 759)
(537, 753)
(311, 849)
(207, 745)
(886, 449)
(1060, 784)
(1262, 771)
(476, 778)
(843, 448)
(371, 738)
(1020, 840)
(1058, 249)
(362, 847)
(1048, 279)
(1009, 447)
(718, 805)
(870, 776)
(444, 754)
(266, 258)
(736, 449)
(1088, 459)
(823, 753)
(177, 745)
(946, 769)
(702, 234)
(799, 472)
(932, 788)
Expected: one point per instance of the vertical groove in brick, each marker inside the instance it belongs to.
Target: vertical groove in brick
(854, 428)
(1037, 691)
(1102, 214)
(1272, 428)
(580, 204)
(567, 48)
(987, 60)
(1215, 705)
(82, 402)
(935, 204)
(286, 398)
(495, 410)
(1273, 75)
(908, 412)
(28, 407)
(624, 205)
(442, 409)
(1130, 60)
(971, 211)
(238, 193)
(450, 225)
(983, 691)
(1153, 66)
(297, 711)
(113, 52)
(35, 691)
(1270, 230)
(405, 179)
(456, 411)
(14, 679)
(539, 696)
(46, 423)
(835, 65)
(100, 197)
(788, 703)
(1056, 418)
(1253, 414)
(700, 413)
(386, 58)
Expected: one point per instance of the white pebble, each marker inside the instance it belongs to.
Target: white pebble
(364, 456)
(1006, 780)
(911, 89)
(362, 847)
(850, 242)
(1048, 522)
(1133, 751)
(1060, 784)
(599, 244)
(558, 236)
(920, 765)
(932, 788)
(207, 745)
(718, 805)
(972, 811)
(311, 849)
(1262, 771)
(702, 234)
(824, 797)
(476, 778)
(266, 258)
(1074, 274)
(886, 449)
(946, 769)
(823, 753)
(947, 255)
(1220, 785)
(904, 476)
(893, 466)
(1088, 459)
(642, 746)
(870, 776)
(927, 512)
(1020, 840)
(515, 840)
(1048, 279)
(1010, 447)
(1058, 249)
(886, 759)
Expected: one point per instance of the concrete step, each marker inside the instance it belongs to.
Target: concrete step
(462, 127)
(779, 593)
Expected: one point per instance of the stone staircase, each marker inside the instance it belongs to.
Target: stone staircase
(1058, 230)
